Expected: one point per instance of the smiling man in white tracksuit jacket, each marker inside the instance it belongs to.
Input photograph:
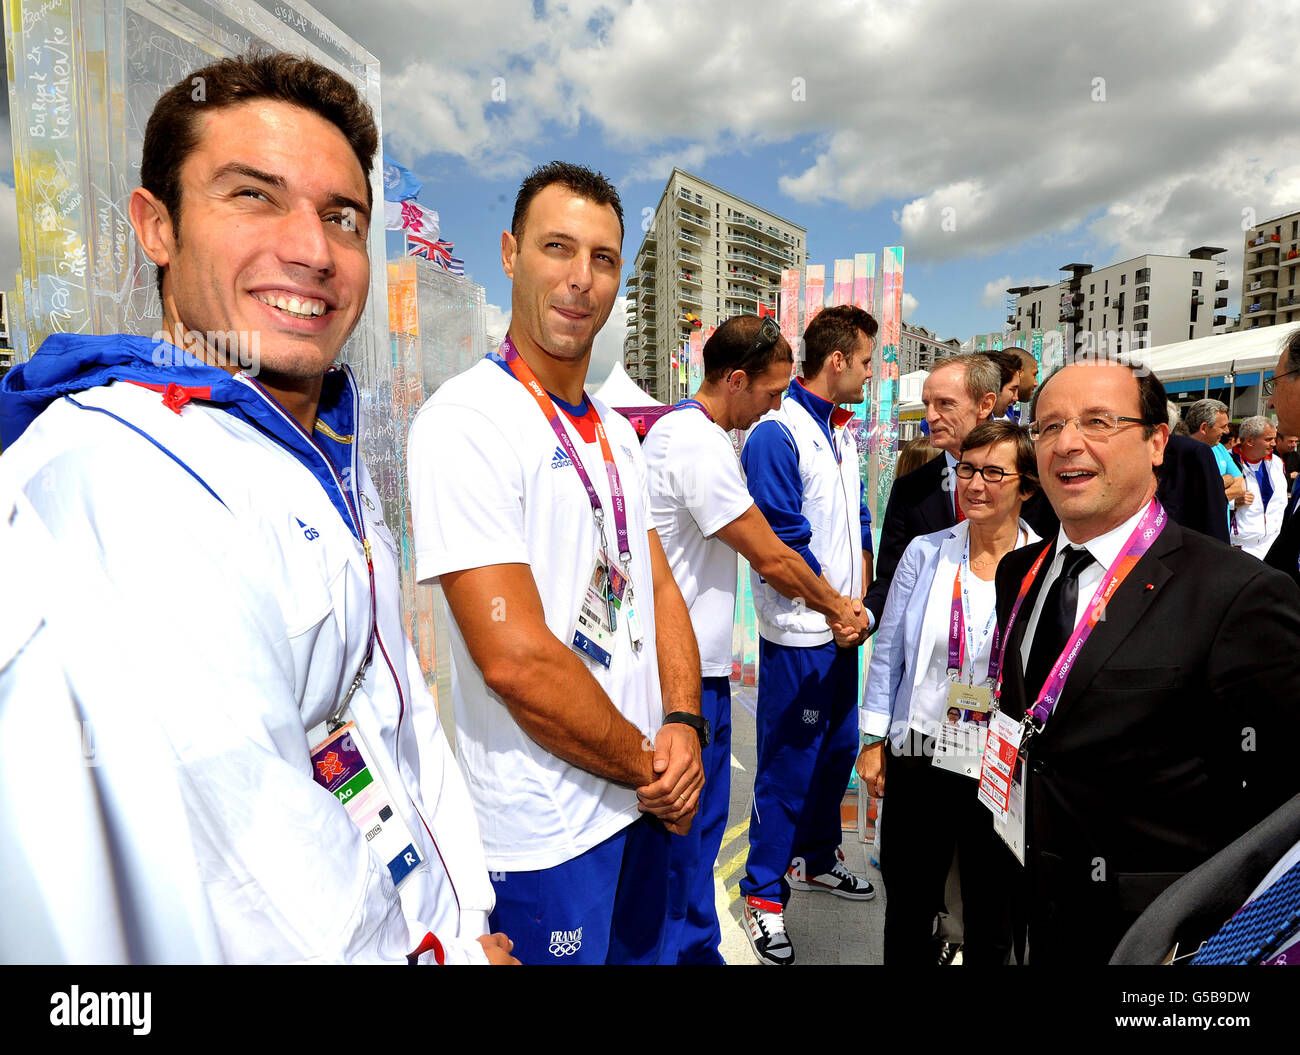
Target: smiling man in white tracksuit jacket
(233, 508)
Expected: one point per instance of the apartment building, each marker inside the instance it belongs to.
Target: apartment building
(1147, 301)
(1270, 293)
(707, 255)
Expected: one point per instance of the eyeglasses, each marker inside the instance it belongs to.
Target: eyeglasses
(1098, 424)
(768, 334)
(993, 474)
(1271, 383)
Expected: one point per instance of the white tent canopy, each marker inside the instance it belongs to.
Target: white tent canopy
(1244, 350)
(619, 390)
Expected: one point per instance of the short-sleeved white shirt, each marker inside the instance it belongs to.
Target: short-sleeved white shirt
(490, 484)
(695, 490)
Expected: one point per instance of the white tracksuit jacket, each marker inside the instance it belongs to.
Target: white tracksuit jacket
(245, 600)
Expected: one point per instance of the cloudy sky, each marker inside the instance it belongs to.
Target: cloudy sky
(995, 143)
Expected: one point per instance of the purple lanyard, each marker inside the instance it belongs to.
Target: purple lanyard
(957, 625)
(1139, 541)
(511, 360)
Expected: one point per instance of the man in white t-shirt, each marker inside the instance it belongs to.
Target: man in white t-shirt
(1257, 518)
(705, 515)
(574, 667)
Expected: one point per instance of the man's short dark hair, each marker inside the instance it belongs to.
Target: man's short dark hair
(593, 186)
(731, 347)
(1292, 347)
(172, 133)
(1152, 400)
(835, 328)
(1008, 363)
(987, 433)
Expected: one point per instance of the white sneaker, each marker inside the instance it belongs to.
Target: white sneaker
(838, 881)
(765, 925)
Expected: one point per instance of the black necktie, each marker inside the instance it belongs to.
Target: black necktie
(1055, 621)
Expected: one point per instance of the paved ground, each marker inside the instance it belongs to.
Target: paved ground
(822, 928)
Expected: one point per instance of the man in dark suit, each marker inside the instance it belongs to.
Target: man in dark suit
(1170, 735)
(1283, 391)
(1191, 489)
(960, 392)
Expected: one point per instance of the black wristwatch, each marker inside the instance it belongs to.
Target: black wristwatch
(697, 722)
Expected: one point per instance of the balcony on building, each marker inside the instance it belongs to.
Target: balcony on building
(690, 258)
(1287, 302)
(1265, 261)
(740, 293)
(735, 236)
(1141, 293)
(1143, 274)
(1261, 242)
(1221, 285)
(688, 239)
(736, 274)
(685, 296)
(691, 218)
(738, 256)
(690, 278)
(1267, 280)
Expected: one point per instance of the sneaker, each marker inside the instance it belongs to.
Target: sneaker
(765, 925)
(838, 881)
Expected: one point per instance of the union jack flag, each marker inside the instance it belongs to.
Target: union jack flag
(439, 252)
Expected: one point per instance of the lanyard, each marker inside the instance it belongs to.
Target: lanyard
(697, 405)
(959, 625)
(1139, 541)
(510, 359)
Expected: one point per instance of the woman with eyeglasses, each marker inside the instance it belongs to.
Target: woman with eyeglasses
(929, 693)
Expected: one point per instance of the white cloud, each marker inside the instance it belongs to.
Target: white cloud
(995, 292)
(988, 133)
(909, 307)
(497, 321)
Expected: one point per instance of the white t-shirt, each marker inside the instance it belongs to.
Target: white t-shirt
(695, 490)
(490, 484)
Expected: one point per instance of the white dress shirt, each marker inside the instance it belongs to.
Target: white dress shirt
(1104, 549)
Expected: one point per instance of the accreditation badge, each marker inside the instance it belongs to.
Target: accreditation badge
(959, 743)
(344, 767)
(593, 633)
(1002, 782)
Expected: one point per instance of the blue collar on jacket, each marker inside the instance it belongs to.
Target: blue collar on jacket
(69, 363)
(824, 412)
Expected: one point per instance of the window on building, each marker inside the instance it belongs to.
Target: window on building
(1295, 228)
(1092, 288)
(1196, 278)
(1123, 279)
(1090, 303)
(1106, 303)
(1107, 289)
(1191, 333)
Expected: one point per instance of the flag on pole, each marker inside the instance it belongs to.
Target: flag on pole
(438, 252)
(399, 184)
(764, 311)
(411, 216)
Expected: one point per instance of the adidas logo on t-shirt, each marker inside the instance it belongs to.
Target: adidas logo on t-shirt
(560, 460)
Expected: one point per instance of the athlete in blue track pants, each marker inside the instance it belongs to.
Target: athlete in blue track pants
(691, 933)
(705, 515)
(807, 741)
(564, 914)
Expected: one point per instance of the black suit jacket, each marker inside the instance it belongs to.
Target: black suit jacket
(1195, 907)
(1189, 686)
(921, 502)
(1191, 488)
